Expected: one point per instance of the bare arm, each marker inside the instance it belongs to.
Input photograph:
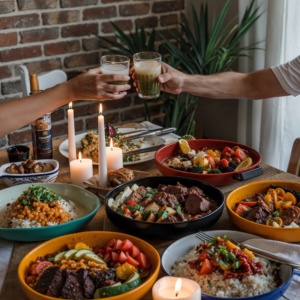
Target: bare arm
(91, 85)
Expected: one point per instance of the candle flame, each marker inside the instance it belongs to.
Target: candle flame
(79, 156)
(70, 105)
(100, 109)
(111, 144)
(178, 287)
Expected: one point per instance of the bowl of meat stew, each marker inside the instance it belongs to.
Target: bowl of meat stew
(269, 209)
(164, 206)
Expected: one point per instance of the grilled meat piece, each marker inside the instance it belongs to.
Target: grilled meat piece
(141, 190)
(146, 201)
(87, 283)
(196, 204)
(257, 215)
(263, 205)
(28, 163)
(72, 288)
(100, 276)
(21, 169)
(163, 198)
(195, 188)
(161, 187)
(135, 196)
(180, 198)
(171, 189)
(38, 167)
(292, 214)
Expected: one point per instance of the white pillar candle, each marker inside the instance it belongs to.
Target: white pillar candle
(81, 170)
(102, 167)
(176, 288)
(114, 157)
(71, 133)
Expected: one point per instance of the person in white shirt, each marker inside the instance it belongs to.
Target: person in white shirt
(278, 81)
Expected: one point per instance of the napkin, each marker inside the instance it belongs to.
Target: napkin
(291, 251)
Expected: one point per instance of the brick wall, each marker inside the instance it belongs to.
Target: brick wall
(58, 34)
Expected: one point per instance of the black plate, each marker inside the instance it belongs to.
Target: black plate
(165, 230)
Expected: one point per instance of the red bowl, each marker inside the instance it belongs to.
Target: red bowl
(215, 179)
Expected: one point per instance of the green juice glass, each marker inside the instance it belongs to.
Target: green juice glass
(115, 64)
(147, 66)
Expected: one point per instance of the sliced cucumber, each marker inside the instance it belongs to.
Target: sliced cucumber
(59, 257)
(133, 277)
(70, 254)
(111, 290)
(80, 253)
(94, 257)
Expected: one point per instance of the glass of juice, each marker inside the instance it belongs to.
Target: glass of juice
(115, 64)
(147, 67)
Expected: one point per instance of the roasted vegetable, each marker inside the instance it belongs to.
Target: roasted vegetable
(197, 169)
(38, 168)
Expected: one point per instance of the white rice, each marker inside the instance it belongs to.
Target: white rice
(5, 218)
(248, 286)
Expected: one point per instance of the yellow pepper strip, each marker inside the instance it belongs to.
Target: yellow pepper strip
(273, 194)
(231, 246)
(280, 192)
(226, 268)
(125, 270)
(211, 153)
(249, 253)
(269, 200)
(80, 246)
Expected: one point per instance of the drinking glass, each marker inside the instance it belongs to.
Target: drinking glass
(147, 67)
(115, 64)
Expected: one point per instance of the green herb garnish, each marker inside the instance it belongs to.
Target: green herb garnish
(219, 287)
(135, 208)
(274, 264)
(211, 251)
(247, 200)
(50, 259)
(208, 166)
(122, 212)
(209, 283)
(162, 214)
(147, 214)
(225, 238)
(236, 264)
(178, 208)
(275, 214)
(284, 202)
(185, 261)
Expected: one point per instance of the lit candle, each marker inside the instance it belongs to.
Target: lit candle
(71, 133)
(176, 288)
(114, 157)
(102, 167)
(81, 170)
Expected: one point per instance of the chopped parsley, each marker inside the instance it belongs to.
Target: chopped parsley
(284, 202)
(122, 212)
(162, 214)
(146, 215)
(211, 251)
(225, 238)
(208, 166)
(185, 261)
(219, 287)
(275, 214)
(50, 259)
(178, 208)
(149, 193)
(209, 283)
(135, 208)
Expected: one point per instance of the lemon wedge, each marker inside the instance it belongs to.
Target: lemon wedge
(247, 163)
(184, 146)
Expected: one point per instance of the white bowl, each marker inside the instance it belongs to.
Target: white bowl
(16, 179)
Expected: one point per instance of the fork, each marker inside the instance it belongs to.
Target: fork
(265, 254)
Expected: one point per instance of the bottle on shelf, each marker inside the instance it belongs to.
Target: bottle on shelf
(40, 128)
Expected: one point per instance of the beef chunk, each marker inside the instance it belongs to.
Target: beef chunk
(171, 219)
(100, 276)
(176, 190)
(263, 205)
(163, 198)
(87, 283)
(196, 204)
(51, 282)
(257, 215)
(72, 288)
(195, 188)
(181, 217)
(141, 190)
(292, 214)
(161, 187)
(146, 201)
(135, 196)
(109, 282)
(180, 198)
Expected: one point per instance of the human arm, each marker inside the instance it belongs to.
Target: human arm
(91, 85)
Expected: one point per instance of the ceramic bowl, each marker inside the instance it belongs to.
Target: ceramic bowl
(85, 200)
(16, 179)
(289, 235)
(166, 230)
(13, 156)
(181, 247)
(91, 238)
(216, 179)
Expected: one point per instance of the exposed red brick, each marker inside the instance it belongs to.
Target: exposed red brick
(79, 30)
(134, 9)
(20, 137)
(58, 115)
(8, 39)
(20, 53)
(100, 13)
(7, 7)
(75, 3)
(133, 113)
(82, 60)
(8, 99)
(112, 118)
(60, 17)
(106, 27)
(30, 20)
(37, 4)
(11, 87)
(42, 66)
(61, 129)
(96, 43)
(140, 101)
(169, 19)
(5, 72)
(72, 74)
(61, 47)
(147, 22)
(164, 6)
(112, 1)
(39, 35)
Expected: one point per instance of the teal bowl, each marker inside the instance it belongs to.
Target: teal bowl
(85, 200)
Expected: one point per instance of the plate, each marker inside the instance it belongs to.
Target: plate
(149, 142)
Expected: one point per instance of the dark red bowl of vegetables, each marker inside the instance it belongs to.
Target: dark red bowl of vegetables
(213, 161)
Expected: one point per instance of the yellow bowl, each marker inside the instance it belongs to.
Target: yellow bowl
(91, 238)
(289, 235)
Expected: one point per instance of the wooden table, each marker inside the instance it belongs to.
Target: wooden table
(11, 287)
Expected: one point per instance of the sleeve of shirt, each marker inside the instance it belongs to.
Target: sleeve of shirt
(288, 75)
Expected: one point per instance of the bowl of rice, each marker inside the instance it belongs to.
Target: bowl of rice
(177, 258)
(42, 211)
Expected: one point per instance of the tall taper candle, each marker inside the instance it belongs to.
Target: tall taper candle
(71, 134)
(102, 168)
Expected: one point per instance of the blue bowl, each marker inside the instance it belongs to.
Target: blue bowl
(181, 247)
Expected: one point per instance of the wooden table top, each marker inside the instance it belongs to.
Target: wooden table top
(12, 288)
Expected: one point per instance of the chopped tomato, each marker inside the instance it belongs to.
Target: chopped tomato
(131, 203)
(229, 274)
(95, 249)
(41, 266)
(122, 257)
(241, 209)
(30, 279)
(134, 251)
(107, 257)
(115, 256)
(223, 163)
(127, 212)
(203, 255)
(247, 203)
(132, 261)
(117, 264)
(109, 250)
(110, 243)
(117, 245)
(144, 261)
(101, 251)
(211, 161)
(32, 270)
(126, 245)
(207, 267)
(214, 259)
(204, 149)
(196, 217)
(226, 149)
(239, 153)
